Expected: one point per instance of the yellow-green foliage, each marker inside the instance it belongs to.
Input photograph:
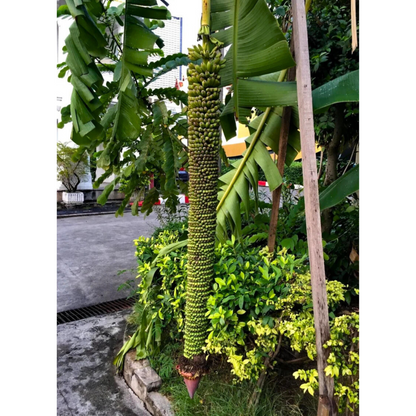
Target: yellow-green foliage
(255, 299)
(343, 362)
(162, 290)
(294, 321)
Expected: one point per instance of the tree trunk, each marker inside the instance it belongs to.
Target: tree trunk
(357, 161)
(283, 139)
(274, 216)
(332, 162)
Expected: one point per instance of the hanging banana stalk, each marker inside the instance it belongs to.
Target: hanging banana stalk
(203, 143)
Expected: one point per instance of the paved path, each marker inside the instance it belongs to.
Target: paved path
(91, 251)
(87, 384)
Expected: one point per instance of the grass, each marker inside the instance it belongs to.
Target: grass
(218, 396)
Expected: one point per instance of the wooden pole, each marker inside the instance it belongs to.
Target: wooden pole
(326, 404)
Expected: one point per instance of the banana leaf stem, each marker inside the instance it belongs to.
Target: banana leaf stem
(235, 36)
(206, 8)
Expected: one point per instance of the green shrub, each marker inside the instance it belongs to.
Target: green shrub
(293, 174)
(343, 238)
(258, 302)
(143, 181)
(166, 216)
(225, 168)
(160, 310)
(180, 226)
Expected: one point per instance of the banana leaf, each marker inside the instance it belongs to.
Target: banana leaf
(257, 47)
(340, 90)
(139, 42)
(335, 193)
(258, 51)
(92, 38)
(270, 135)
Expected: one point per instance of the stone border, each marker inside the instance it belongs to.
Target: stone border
(144, 381)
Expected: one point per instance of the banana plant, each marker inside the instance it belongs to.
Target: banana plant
(341, 89)
(204, 144)
(265, 128)
(255, 74)
(136, 141)
(225, 24)
(256, 61)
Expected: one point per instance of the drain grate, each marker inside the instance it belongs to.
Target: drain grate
(95, 310)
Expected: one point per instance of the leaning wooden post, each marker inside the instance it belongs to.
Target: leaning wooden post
(326, 406)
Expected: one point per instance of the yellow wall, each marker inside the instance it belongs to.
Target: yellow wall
(236, 149)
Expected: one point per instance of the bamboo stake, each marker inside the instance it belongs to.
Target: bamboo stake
(321, 160)
(283, 139)
(354, 39)
(326, 404)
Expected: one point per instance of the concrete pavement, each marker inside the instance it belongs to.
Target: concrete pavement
(91, 250)
(87, 384)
